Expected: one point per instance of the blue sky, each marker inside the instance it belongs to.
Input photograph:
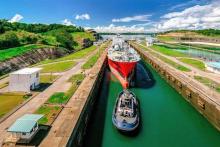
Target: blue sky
(143, 15)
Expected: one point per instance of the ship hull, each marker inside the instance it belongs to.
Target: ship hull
(123, 71)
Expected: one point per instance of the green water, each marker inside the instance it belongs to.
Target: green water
(167, 119)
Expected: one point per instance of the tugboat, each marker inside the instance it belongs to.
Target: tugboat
(125, 115)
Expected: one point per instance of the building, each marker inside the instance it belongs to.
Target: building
(24, 80)
(213, 67)
(149, 41)
(24, 129)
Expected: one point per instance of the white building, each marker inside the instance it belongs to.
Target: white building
(149, 41)
(24, 80)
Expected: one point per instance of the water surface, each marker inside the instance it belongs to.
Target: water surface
(167, 119)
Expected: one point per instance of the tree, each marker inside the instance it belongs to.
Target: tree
(9, 39)
(65, 39)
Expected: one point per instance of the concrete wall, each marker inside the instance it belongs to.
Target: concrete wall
(202, 102)
(94, 81)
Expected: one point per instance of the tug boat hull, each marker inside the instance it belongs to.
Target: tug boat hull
(126, 121)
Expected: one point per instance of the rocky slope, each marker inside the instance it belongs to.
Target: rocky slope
(30, 58)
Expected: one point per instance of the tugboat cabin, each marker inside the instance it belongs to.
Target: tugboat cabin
(24, 129)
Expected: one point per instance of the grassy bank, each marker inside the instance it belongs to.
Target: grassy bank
(48, 78)
(164, 59)
(193, 62)
(49, 112)
(63, 97)
(167, 51)
(208, 82)
(170, 62)
(13, 52)
(91, 62)
(203, 47)
(58, 67)
(9, 101)
(76, 55)
(54, 104)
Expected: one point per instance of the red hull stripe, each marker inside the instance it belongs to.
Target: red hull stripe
(124, 82)
(125, 68)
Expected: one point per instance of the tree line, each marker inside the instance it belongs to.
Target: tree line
(17, 34)
(35, 28)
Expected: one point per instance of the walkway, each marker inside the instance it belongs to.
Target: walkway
(195, 71)
(60, 85)
(188, 77)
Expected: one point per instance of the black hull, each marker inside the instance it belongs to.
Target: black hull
(123, 126)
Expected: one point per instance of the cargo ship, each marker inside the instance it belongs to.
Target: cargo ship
(122, 60)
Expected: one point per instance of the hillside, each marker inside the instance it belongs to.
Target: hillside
(208, 35)
(18, 38)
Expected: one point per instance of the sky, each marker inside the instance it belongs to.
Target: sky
(116, 15)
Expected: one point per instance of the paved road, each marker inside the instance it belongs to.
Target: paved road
(203, 43)
(60, 85)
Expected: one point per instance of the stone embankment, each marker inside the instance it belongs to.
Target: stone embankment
(30, 58)
(205, 102)
(70, 126)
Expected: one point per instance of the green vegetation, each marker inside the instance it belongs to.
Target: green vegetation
(205, 32)
(16, 34)
(19, 38)
(48, 78)
(172, 63)
(79, 35)
(174, 46)
(9, 101)
(49, 112)
(166, 60)
(208, 82)
(195, 63)
(165, 38)
(12, 52)
(53, 106)
(209, 32)
(61, 97)
(139, 46)
(76, 80)
(201, 46)
(91, 62)
(58, 98)
(168, 51)
(57, 67)
(76, 55)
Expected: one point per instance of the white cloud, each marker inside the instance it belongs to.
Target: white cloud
(119, 29)
(187, 4)
(196, 17)
(16, 18)
(83, 17)
(132, 18)
(67, 22)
